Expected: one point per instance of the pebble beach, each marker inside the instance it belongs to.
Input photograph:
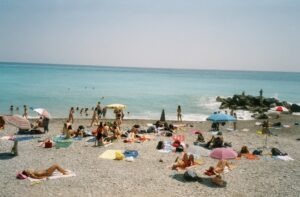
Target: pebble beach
(149, 174)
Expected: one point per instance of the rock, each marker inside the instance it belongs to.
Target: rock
(295, 108)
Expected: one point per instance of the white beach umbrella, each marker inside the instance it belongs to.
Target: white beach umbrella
(42, 112)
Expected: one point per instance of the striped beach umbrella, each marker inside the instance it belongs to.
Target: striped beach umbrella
(17, 121)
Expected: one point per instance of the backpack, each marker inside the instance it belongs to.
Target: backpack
(257, 152)
(275, 152)
(48, 144)
(160, 145)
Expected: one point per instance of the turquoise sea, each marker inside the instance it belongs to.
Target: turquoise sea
(145, 91)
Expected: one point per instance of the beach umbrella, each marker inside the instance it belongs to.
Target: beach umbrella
(17, 121)
(162, 116)
(280, 109)
(115, 106)
(220, 117)
(42, 112)
(223, 153)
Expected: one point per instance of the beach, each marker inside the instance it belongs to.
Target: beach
(147, 175)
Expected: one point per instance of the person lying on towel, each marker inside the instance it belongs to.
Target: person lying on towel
(185, 162)
(40, 174)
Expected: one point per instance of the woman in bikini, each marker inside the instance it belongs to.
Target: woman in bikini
(185, 162)
(40, 174)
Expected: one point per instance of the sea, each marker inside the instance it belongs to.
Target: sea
(144, 91)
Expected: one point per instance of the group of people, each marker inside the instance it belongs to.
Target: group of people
(42, 122)
(69, 132)
(105, 133)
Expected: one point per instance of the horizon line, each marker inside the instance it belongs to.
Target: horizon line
(142, 67)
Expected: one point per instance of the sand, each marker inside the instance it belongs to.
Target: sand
(147, 176)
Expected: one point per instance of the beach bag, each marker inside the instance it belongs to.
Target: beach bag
(276, 152)
(169, 134)
(119, 155)
(151, 129)
(179, 149)
(160, 145)
(190, 175)
(48, 144)
(257, 152)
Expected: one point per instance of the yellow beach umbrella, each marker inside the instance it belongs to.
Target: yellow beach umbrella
(115, 106)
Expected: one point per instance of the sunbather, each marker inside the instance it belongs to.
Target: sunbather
(39, 174)
(220, 167)
(101, 138)
(185, 162)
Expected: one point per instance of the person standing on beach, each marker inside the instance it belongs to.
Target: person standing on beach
(25, 115)
(71, 115)
(46, 124)
(261, 97)
(11, 109)
(179, 115)
(104, 112)
(99, 110)
(94, 118)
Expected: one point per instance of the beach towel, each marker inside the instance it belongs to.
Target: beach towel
(245, 129)
(285, 158)
(109, 154)
(131, 153)
(249, 156)
(61, 142)
(8, 137)
(55, 175)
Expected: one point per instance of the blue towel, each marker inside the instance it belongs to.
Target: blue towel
(25, 138)
(131, 153)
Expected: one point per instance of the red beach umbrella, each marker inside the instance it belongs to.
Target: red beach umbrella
(17, 121)
(223, 153)
(280, 109)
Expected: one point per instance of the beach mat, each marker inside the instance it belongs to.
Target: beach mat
(109, 154)
(25, 138)
(31, 132)
(60, 142)
(55, 175)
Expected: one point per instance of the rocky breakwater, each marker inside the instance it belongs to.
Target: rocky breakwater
(255, 104)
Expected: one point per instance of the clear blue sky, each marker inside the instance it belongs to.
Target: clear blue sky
(204, 34)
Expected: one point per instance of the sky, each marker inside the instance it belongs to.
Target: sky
(201, 34)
